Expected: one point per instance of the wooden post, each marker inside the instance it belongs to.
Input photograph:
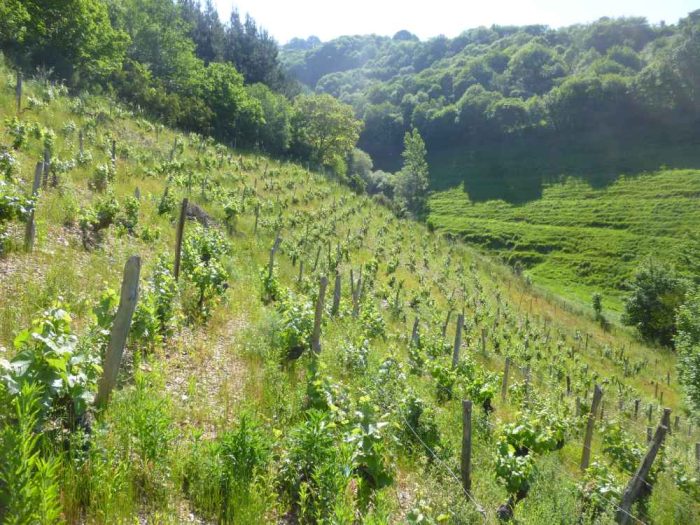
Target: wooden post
(80, 142)
(114, 153)
(316, 336)
(30, 231)
(18, 91)
(586, 456)
(120, 329)
(301, 271)
(568, 385)
(649, 413)
(447, 322)
(273, 250)
(414, 332)
(458, 340)
(636, 484)
(257, 216)
(636, 408)
(178, 238)
(46, 166)
(697, 455)
(504, 385)
(483, 341)
(336, 294)
(649, 434)
(466, 445)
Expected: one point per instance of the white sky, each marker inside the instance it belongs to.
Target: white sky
(328, 19)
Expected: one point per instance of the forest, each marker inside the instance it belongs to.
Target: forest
(219, 305)
(608, 86)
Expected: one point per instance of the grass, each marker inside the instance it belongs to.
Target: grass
(577, 239)
(155, 454)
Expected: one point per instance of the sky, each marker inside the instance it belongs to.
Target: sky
(327, 19)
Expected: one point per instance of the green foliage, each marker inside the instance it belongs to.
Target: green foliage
(687, 343)
(156, 314)
(296, 324)
(315, 469)
(140, 421)
(412, 182)
(29, 488)
(324, 128)
(221, 474)
(370, 457)
(599, 487)
(419, 428)
(656, 293)
(203, 255)
(49, 356)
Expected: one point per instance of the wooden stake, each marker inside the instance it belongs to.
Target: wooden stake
(414, 332)
(80, 142)
(257, 215)
(316, 336)
(458, 341)
(301, 271)
(18, 91)
(586, 456)
(636, 484)
(336, 294)
(30, 231)
(504, 385)
(466, 445)
(120, 329)
(178, 238)
(273, 250)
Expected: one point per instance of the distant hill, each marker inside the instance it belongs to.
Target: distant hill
(608, 87)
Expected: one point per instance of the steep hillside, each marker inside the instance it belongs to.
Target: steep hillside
(225, 413)
(576, 239)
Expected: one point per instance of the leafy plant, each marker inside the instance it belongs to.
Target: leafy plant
(49, 356)
(203, 263)
(29, 488)
(297, 322)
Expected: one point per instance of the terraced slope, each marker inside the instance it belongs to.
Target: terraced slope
(575, 239)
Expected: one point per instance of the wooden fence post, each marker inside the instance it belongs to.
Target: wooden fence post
(336, 294)
(466, 445)
(178, 238)
(458, 341)
(636, 408)
(316, 336)
(80, 141)
(273, 250)
(504, 385)
(257, 216)
(46, 166)
(120, 329)
(586, 456)
(639, 480)
(301, 271)
(30, 231)
(18, 91)
(414, 332)
(697, 455)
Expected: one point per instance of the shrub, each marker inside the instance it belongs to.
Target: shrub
(656, 293)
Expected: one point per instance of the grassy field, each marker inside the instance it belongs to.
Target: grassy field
(213, 422)
(576, 239)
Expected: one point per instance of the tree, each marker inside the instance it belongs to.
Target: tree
(275, 134)
(687, 342)
(597, 302)
(412, 182)
(73, 38)
(651, 306)
(324, 129)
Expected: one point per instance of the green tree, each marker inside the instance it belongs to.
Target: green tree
(412, 182)
(73, 38)
(324, 129)
(687, 343)
(656, 293)
(275, 134)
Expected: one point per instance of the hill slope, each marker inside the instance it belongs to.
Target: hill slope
(213, 421)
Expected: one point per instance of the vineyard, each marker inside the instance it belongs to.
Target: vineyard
(195, 334)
